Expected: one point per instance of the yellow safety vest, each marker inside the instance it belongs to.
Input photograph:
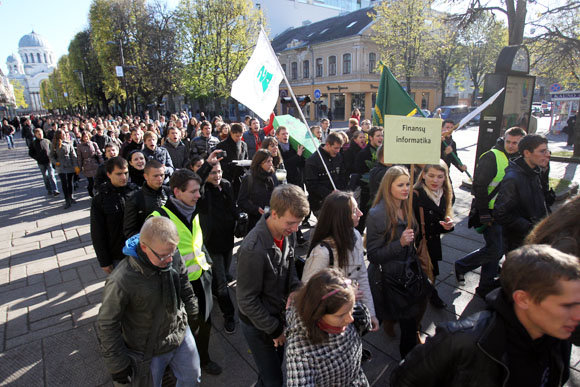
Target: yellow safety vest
(501, 162)
(190, 245)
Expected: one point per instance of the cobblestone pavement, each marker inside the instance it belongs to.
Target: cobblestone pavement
(51, 284)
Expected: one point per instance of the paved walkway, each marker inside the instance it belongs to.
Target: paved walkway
(51, 284)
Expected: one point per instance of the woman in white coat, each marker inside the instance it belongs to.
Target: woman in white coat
(336, 243)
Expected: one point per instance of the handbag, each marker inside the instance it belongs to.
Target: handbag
(423, 251)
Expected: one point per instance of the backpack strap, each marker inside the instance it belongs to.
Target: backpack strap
(330, 254)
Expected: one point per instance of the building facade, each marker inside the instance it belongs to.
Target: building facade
(33, 64)
(337, 59)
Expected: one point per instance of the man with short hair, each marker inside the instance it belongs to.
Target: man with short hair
(176, 148)
(235, 149)
(182, 210)
(147, 302)
(325, 128)
(254, 137)
(111, 150)
(449, 147)
(40, 151)
(101, 138)
(144, 201)
(521, 202)
(487, 179)
(318, 184)
(152, 152)
(293, 160)
(107, 207)
(205, 143)
(134, 142)
(522, 339)
(267, 278)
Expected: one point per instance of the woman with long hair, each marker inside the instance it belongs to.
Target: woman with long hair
(257, 186)
(335, 236)
(137, 163)
(433, 196)
(325, 325)
(271, 144)
(89, 158)
(64, 157)
(389, 242)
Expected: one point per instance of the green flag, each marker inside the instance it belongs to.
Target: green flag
(392, 99)
(299, 134)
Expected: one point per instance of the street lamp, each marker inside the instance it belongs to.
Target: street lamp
(120, 43)
(80, 73)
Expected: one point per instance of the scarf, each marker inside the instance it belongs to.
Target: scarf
(285, 147)
(257, 140)
(183, 208)
(435, 196)
(170, 290)
(329, 328)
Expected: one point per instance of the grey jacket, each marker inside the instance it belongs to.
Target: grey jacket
(66, 156)
(266, 276)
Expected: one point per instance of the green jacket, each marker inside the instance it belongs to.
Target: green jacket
(132, 296)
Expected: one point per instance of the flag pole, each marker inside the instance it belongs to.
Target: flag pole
(301, 114)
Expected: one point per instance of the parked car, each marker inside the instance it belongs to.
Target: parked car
(426, 113)
(453, 112)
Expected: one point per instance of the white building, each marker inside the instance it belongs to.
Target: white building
(33, 64)
(284, 14)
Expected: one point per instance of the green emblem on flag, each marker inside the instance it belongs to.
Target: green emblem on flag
(265, 77)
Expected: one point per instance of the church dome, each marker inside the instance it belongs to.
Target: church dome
(32, 40)
(13, 59)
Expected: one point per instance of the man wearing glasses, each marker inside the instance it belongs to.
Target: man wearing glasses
(147, 301)
(521, 202)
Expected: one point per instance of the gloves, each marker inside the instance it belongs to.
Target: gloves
(77, 170)
(123, 377)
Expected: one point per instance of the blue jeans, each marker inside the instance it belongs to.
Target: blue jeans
(267, 357)
(184, 362)
(48, 176)
(487, 257)
(10, 141)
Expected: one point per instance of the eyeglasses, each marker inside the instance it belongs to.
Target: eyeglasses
(545, 152)
(160, 257)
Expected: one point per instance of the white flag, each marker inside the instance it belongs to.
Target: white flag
(257, 85)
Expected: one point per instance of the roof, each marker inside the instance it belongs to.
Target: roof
(32, 40)
(13, 59)
(326, 30)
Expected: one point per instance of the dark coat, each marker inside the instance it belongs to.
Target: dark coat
(130, 146)
(255, 192)
(316, 178)
(140, 205)
(472, 352)
(294, 165)
(234, 151)
(101, 141)
(178, 154)
(250, 141)
(520, 202)
(107, 207)
(40, 151)
(202, 146)
(218, 216)
(449, 159)
(349, 157)
(375, 176)
(433, 215)
(161, 155)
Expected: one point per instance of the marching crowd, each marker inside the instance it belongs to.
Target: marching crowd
(169, 196)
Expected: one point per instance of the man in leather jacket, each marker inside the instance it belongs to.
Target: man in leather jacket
(522, 339)
(521, 202)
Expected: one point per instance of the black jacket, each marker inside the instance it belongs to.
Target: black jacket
(178, 154)
(294, 166)
(130, 146)
(40, 151)
(107, 208)
(375, 176)
(235, 151)
(101, 141)
(473, 352)
(316, 178)
(349, 157)
(140, 205)
(450, 159)
(202, 146)
(217, 217)
(520, 203)
(161, 155)
(255, 192)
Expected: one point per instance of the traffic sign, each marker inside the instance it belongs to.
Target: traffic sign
(555, 87)
(317, 94)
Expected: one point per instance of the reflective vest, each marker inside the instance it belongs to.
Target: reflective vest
(190, 244)
(501, 162)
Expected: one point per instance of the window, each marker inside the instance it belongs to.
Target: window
(45, 61)
(306, 69)
(319, 67)
(332, 65)
(372, 62)
(31, 58)
(294, 70)
(38, 57)
(26, 58)
(346, 64)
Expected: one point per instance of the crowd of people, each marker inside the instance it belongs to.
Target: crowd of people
(169, 197)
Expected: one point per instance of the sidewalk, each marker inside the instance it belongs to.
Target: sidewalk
(51, 286)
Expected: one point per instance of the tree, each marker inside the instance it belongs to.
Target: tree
(483, 41)
(448, 53)
(216, 39)
(403, 31)
(18, 94)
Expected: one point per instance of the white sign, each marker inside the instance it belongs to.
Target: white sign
(412, 140)
(119, 70)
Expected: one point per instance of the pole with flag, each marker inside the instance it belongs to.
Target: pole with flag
(257, 87)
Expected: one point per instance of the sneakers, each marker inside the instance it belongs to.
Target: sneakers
(211, 368)
(460, 277)
(56, 193)
(230, 325)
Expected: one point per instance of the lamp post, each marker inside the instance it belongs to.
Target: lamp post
(81, 76)
(120, 43)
